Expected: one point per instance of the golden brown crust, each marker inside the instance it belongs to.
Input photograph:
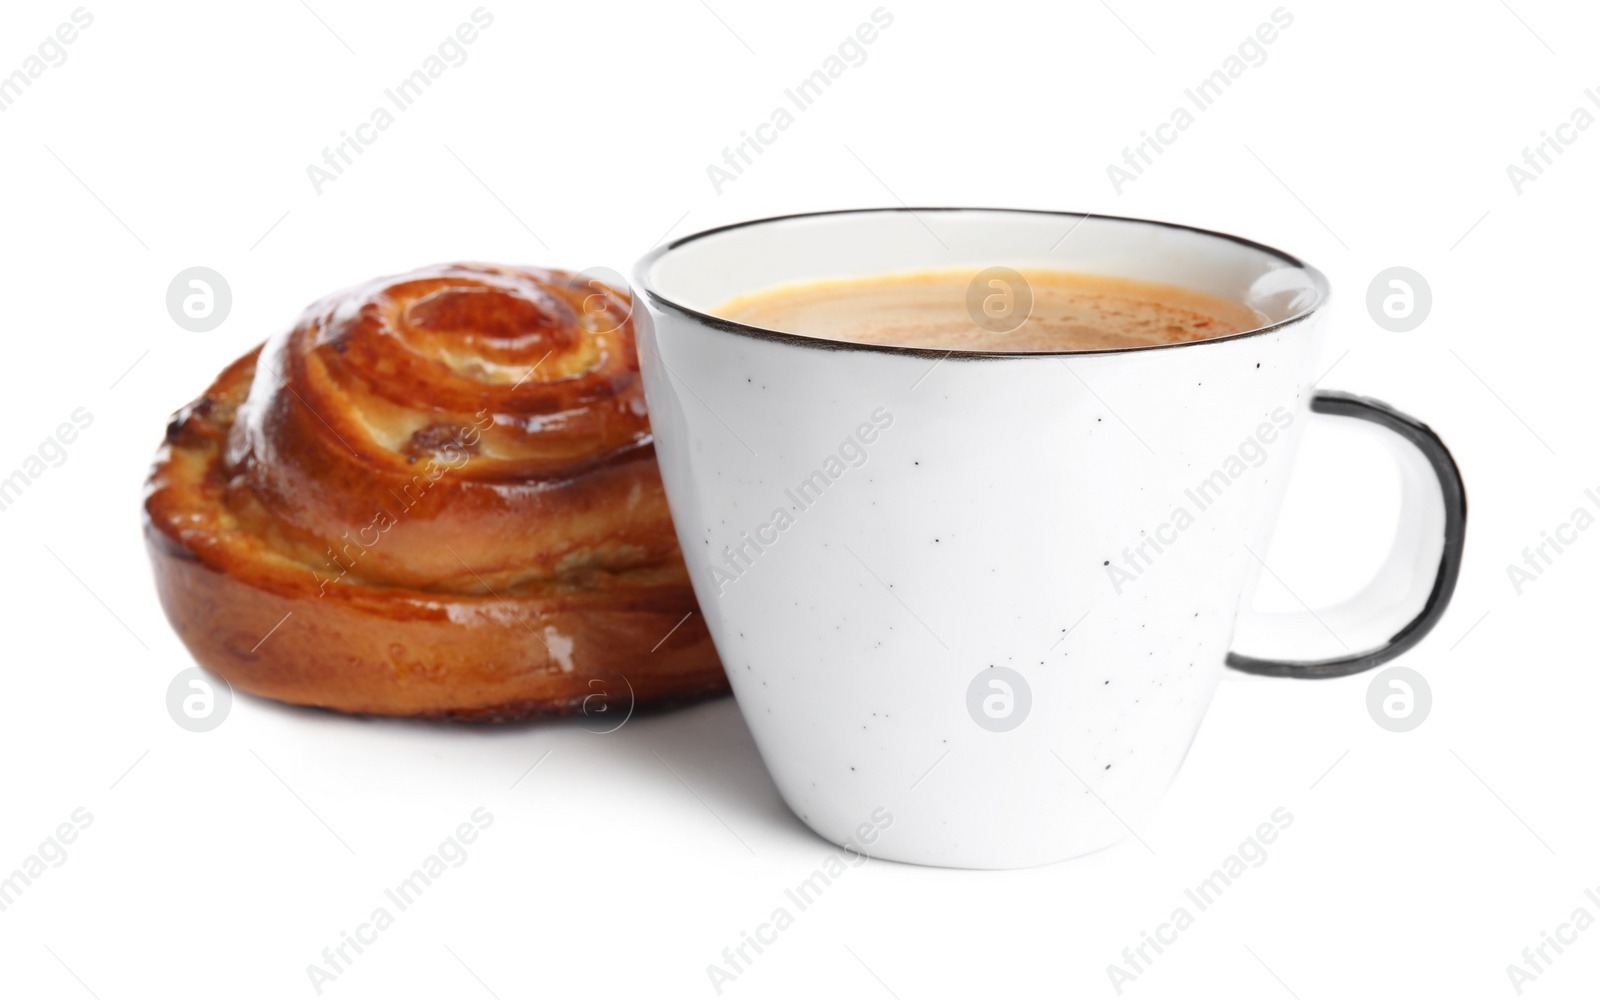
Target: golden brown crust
(435, 496)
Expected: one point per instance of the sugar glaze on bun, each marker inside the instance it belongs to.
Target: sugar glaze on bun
(435, 496)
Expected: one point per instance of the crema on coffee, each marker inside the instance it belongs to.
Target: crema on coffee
(1069, 312)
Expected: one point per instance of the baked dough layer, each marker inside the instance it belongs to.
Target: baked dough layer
(435, 496)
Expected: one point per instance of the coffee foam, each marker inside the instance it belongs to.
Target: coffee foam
(928, 309)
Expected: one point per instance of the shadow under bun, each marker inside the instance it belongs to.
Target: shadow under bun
(435, 496)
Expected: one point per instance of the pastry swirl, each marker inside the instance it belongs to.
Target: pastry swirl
(445, 487)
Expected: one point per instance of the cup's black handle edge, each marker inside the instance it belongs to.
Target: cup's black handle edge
(1421, 436)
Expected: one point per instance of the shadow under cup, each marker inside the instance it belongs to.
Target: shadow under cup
(973, 606)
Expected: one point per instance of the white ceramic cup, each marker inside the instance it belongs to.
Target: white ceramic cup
(988, 596)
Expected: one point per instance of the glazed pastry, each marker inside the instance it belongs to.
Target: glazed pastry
(436, 496)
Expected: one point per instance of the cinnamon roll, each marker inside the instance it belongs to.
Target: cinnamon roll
(435, 496)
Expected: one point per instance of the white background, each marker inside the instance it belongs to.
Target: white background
(1376, 134)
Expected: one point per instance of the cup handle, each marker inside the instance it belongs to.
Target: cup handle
(1423, 520)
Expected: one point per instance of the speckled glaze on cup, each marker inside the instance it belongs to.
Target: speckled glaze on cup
(956, 587)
